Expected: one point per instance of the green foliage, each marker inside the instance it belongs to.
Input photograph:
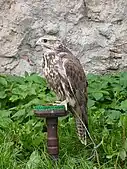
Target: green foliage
(18, 95)
(23, 136)
(108, 112)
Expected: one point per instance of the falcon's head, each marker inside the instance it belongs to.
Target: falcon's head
(49, 42)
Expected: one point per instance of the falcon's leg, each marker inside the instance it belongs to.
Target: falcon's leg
(62, 103)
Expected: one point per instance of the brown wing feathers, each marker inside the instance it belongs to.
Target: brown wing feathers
(77, 80)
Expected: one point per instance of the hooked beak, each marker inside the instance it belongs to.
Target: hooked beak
(43, 45)
(39, 42)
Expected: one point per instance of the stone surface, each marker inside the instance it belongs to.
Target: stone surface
(95, 31)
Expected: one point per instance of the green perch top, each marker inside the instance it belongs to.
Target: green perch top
(52, 107)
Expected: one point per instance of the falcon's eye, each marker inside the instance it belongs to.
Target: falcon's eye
(60, 46)
(45, 40)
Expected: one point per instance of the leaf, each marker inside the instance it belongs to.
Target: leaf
(97, 95)
(19, 113)
(23, 95)
(105, 92)
(23, 87)
(36, 79)
(5, 113)
(125, 145)
(26, 74)
(32, 91)
(111, 156)
(124, 105)
(122, 154)
(92, 77)
(123, 79)
(115, 114)
(4, 122)
(30, 113)
(123, 121)
(3, 81)
(91, 103)
(15, 79)
(16, 91)
(2, 94)
(14, 98)
(34, 161)
(33, 102)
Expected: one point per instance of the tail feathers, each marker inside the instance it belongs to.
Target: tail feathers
(81, 131)
(82, 125)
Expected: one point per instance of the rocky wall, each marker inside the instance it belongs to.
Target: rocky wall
(94, 30)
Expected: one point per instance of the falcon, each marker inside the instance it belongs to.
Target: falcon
(66, 77)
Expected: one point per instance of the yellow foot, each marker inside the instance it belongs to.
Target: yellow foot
(62, 103)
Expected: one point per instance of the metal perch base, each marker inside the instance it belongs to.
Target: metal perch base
(51, 113)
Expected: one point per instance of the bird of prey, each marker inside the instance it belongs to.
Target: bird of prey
(66, 77)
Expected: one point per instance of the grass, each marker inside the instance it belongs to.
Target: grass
(23, 136)
(24, 146)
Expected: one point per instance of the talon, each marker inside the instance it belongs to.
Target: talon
(61, 103)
